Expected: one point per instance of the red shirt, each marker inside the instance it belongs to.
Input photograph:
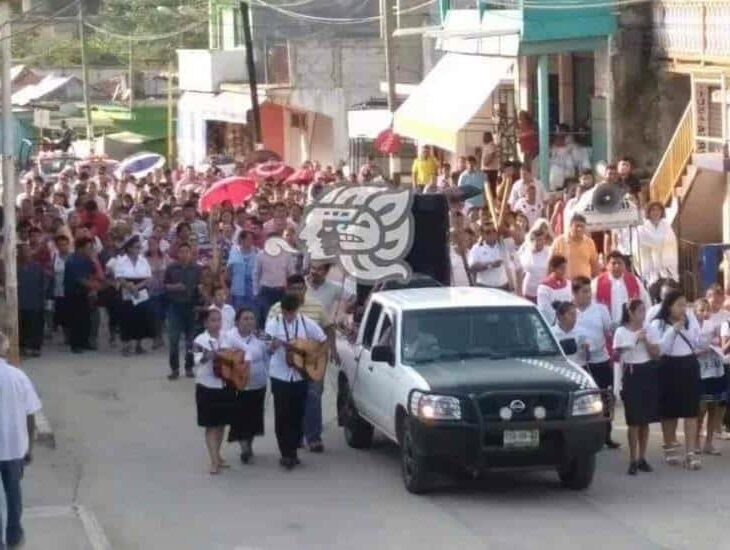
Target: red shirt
(99, 221)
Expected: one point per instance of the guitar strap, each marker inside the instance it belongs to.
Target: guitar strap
(296, 328)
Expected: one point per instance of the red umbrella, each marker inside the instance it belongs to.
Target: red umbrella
(388, 142)
(235, 189)
(271, 169)
(303, 176)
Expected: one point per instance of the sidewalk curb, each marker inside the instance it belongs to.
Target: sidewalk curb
(44, 432)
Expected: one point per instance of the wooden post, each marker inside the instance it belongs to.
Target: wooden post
(9, 183)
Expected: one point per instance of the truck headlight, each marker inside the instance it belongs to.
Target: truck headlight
(435, 407)
(587, 403)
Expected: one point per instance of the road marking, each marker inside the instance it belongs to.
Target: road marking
(92, 529)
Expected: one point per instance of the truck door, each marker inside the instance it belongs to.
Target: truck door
(383, 375)
(361, 389)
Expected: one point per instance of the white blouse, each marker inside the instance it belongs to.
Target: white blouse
(678, 343)
(204, 374)
(535, 267)
(124, 268)
(579, 357)
(257, 355)
(632, 351)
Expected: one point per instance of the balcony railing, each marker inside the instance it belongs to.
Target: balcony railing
(674, 161)
(692, 30)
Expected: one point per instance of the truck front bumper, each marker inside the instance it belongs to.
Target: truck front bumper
(481, 447)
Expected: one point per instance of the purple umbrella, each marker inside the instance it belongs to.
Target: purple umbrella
(140, 165)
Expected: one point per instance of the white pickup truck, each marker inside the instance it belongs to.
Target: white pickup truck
(470, 378)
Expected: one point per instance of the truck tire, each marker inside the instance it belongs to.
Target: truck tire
(578, 473)
(358, 432)
(416, 475)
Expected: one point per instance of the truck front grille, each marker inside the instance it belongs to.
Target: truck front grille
(555, 405)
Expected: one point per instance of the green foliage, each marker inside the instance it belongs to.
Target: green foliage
(124, 17)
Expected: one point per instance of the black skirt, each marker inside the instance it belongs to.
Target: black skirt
(248, 419)
(679, 387)
(135, 322)
(216, 407)
(640, 393)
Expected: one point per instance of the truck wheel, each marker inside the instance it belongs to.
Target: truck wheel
(416, 476)
(358, 433)
(578, 473)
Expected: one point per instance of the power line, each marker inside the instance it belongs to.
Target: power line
(30, 29)
(146, 37)
(335, 20)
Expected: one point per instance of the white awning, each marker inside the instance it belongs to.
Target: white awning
(223, 107)
(452, 94)
(368, 123)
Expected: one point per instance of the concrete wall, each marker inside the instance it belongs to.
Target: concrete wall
(329, 77)
(701, 217)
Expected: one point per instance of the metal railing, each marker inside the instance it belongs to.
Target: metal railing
(674, 160)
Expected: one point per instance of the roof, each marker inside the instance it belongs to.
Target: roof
(449, 297)
(47, 86)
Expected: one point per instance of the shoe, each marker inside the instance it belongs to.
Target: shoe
(91, 347)
(77, 350)
(316, 447)
(139, 350)
(287, 463)
(692, 462)
(246, 453)
(18, 543)
(173, 375)
(296, 460)
(613, 445)
(711, 451)
(633, 468)
(189, 373)
(644, 466)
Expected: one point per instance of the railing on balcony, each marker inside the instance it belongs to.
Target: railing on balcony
(694, 29)
(674, 161)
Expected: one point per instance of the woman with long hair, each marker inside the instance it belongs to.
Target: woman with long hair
(679, 378)
(248, 419)
(638, 347)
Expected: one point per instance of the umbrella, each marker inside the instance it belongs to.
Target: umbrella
(388, 142)
(303, 176)
(95, 162)
(236, 190)
(140, 165)
(262, 155)
(273, 169)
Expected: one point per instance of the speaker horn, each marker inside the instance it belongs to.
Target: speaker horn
(607, 198)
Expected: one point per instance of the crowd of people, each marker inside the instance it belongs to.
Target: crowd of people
(137, 261)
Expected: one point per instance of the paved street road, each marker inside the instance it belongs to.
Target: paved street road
(129, 453)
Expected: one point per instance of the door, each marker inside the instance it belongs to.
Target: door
(361, 384)
(383, 376)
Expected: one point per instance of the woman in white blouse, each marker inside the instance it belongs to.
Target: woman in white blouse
(679, 377)
(566, 329)
(638, 346)
(248, 420)
(533, 260)
(214, 401)
(132, 273)
(657, 245)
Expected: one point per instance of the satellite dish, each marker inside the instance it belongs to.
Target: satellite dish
(607, 198)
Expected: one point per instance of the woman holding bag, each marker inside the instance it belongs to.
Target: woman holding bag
(638, 348)
(248, 419)
(679, 378)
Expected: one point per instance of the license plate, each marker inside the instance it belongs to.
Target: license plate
(521, 439)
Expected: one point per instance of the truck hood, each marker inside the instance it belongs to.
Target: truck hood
(479, 375)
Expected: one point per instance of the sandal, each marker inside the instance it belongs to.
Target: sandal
(215, 470)
(671, 454)
(711, 451)
(692, 462)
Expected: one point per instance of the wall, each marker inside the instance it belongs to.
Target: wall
(329, 77)
(272, 126)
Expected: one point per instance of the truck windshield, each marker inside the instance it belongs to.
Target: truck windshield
(494, 333)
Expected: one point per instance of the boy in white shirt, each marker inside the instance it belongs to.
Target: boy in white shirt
(228, 314)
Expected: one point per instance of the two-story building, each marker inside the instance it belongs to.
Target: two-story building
(309, 73)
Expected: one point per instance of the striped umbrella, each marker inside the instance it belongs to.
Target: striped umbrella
(272, 169)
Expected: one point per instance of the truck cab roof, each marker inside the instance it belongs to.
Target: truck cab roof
(448, 298)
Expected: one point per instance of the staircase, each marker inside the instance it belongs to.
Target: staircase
(671, 178)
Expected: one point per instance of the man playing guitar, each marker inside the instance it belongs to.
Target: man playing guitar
(290, 332)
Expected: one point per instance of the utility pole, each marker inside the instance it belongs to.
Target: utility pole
(170, 114)
(8, 167)
(85, 78)
(248, 42)
(386, 14)
(131, 76)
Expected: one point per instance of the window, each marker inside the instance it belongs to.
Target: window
(299, 120)
(370, 324)
(387, 333)
(458, 334)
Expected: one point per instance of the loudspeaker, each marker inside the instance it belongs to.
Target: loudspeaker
(429, 254)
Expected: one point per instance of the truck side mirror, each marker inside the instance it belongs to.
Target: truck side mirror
(382, 354)
(569, 346)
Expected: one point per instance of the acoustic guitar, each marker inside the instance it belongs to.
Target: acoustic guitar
(308, 357)
(230, 366)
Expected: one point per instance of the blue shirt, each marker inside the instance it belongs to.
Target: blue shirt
(242, 266)
(78, 268)
(473, 179)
